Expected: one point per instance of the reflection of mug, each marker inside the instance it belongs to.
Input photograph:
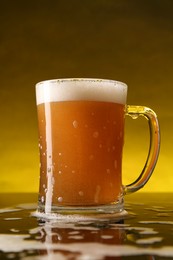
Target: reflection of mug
(81, 135)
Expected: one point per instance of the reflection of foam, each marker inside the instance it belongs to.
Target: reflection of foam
(81, 89)
(17, 243)
(157, 222)
(5, 210)
(150, 240)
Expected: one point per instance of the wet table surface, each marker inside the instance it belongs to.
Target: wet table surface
(145, 233)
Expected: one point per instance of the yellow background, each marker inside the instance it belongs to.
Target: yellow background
(130, 41)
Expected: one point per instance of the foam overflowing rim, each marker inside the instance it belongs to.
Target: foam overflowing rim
(88, 89)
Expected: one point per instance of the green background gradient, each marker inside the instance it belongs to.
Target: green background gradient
(126, 40)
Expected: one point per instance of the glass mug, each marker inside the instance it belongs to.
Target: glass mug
(81, 137)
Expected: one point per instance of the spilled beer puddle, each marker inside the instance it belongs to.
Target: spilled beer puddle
(23, 236)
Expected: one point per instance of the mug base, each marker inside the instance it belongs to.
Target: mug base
(71, 213)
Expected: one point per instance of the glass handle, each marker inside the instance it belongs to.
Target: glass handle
(134, 112)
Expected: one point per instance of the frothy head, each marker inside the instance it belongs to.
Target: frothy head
(81, 89)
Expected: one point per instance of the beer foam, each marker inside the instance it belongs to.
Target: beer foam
(81, 89)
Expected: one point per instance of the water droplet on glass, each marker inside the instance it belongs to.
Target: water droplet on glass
(60, 199)
(95, 134)
(81, 193)
(75, 124)
(91, 157)
(115, 164)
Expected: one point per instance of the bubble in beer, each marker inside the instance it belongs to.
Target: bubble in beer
(42, 199)
(75, 124)
(95, 134)
(60, 199)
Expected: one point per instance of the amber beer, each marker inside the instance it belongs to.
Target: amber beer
(80, 143)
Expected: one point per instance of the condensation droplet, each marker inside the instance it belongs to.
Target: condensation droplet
(65, 166)
(86, 126)
(115, 164)
(96, 197)
(95, 134)
(42, 199)
(60, 172)
(75, 124)
(59, 154)
(44, 186)
(81, 193)
(92, 114)
(113, 148)
(60, 199)
(104, 127)
(73, 171)
(91, 157)
(100, 145)
(108, 170)
(108, 149)
(114, 123)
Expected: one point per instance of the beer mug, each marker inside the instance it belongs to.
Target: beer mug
(81, 137)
